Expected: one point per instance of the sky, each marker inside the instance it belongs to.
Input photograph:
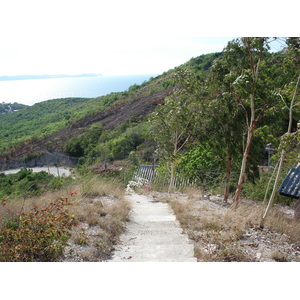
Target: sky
(110, 37)
(108, 56)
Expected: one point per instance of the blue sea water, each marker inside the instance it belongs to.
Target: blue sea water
(32, 91)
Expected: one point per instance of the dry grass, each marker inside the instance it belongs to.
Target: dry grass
(92, 187)
(25, 204)
(192, 193)
(278, 222)
(100, 210)
(278, 256)
(221, 233)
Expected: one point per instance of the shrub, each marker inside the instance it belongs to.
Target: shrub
(27, 183)
(39, 235)
(256, 191)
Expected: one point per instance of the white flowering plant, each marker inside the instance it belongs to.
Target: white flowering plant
(138, 183)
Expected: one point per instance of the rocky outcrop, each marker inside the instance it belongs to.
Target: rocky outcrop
(40, 160)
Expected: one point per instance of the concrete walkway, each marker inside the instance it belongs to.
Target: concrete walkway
(51, 170)
(153, 234)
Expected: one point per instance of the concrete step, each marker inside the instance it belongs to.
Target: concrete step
(157, 253)
(156, 239)
(163, 227)
(129, 258)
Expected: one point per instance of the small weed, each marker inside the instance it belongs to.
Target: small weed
(99, 244)
(80, 238)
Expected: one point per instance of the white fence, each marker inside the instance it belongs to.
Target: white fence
(149, 172)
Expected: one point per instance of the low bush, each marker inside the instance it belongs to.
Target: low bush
(38, 235)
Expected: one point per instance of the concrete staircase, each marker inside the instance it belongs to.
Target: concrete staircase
(153, 235)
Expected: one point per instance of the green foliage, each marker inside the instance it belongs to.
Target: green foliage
(116, 144)
(74, 147)
(79, 146)
(173, 123)
(256, 191)
(37, 236)
(202, 64)
(200, 164)
(26, 183)
(38, 120)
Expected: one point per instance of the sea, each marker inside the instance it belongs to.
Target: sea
(31, 91)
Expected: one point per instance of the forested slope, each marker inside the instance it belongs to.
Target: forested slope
(50, 124)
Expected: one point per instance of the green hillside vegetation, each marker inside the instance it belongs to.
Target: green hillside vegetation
(46, 117)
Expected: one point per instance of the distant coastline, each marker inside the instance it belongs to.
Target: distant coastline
(32, 91)
(45, 76)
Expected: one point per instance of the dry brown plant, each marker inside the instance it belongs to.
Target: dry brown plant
(278, 222)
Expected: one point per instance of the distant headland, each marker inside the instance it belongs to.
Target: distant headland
(45, 76)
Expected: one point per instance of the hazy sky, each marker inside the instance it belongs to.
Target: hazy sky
(109, 37)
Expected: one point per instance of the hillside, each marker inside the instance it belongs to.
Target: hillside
(47, 126)
(110, 119)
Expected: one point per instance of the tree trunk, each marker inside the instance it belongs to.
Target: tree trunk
(262, 222)
(243, 167)
(228, 176)
(269, 183)
(173, 162)
(172, 177)
(202, 190)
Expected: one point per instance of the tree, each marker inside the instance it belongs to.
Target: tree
(245, 59)
(225, 125)
(294, 56)
(173, 123)
(246, 85)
